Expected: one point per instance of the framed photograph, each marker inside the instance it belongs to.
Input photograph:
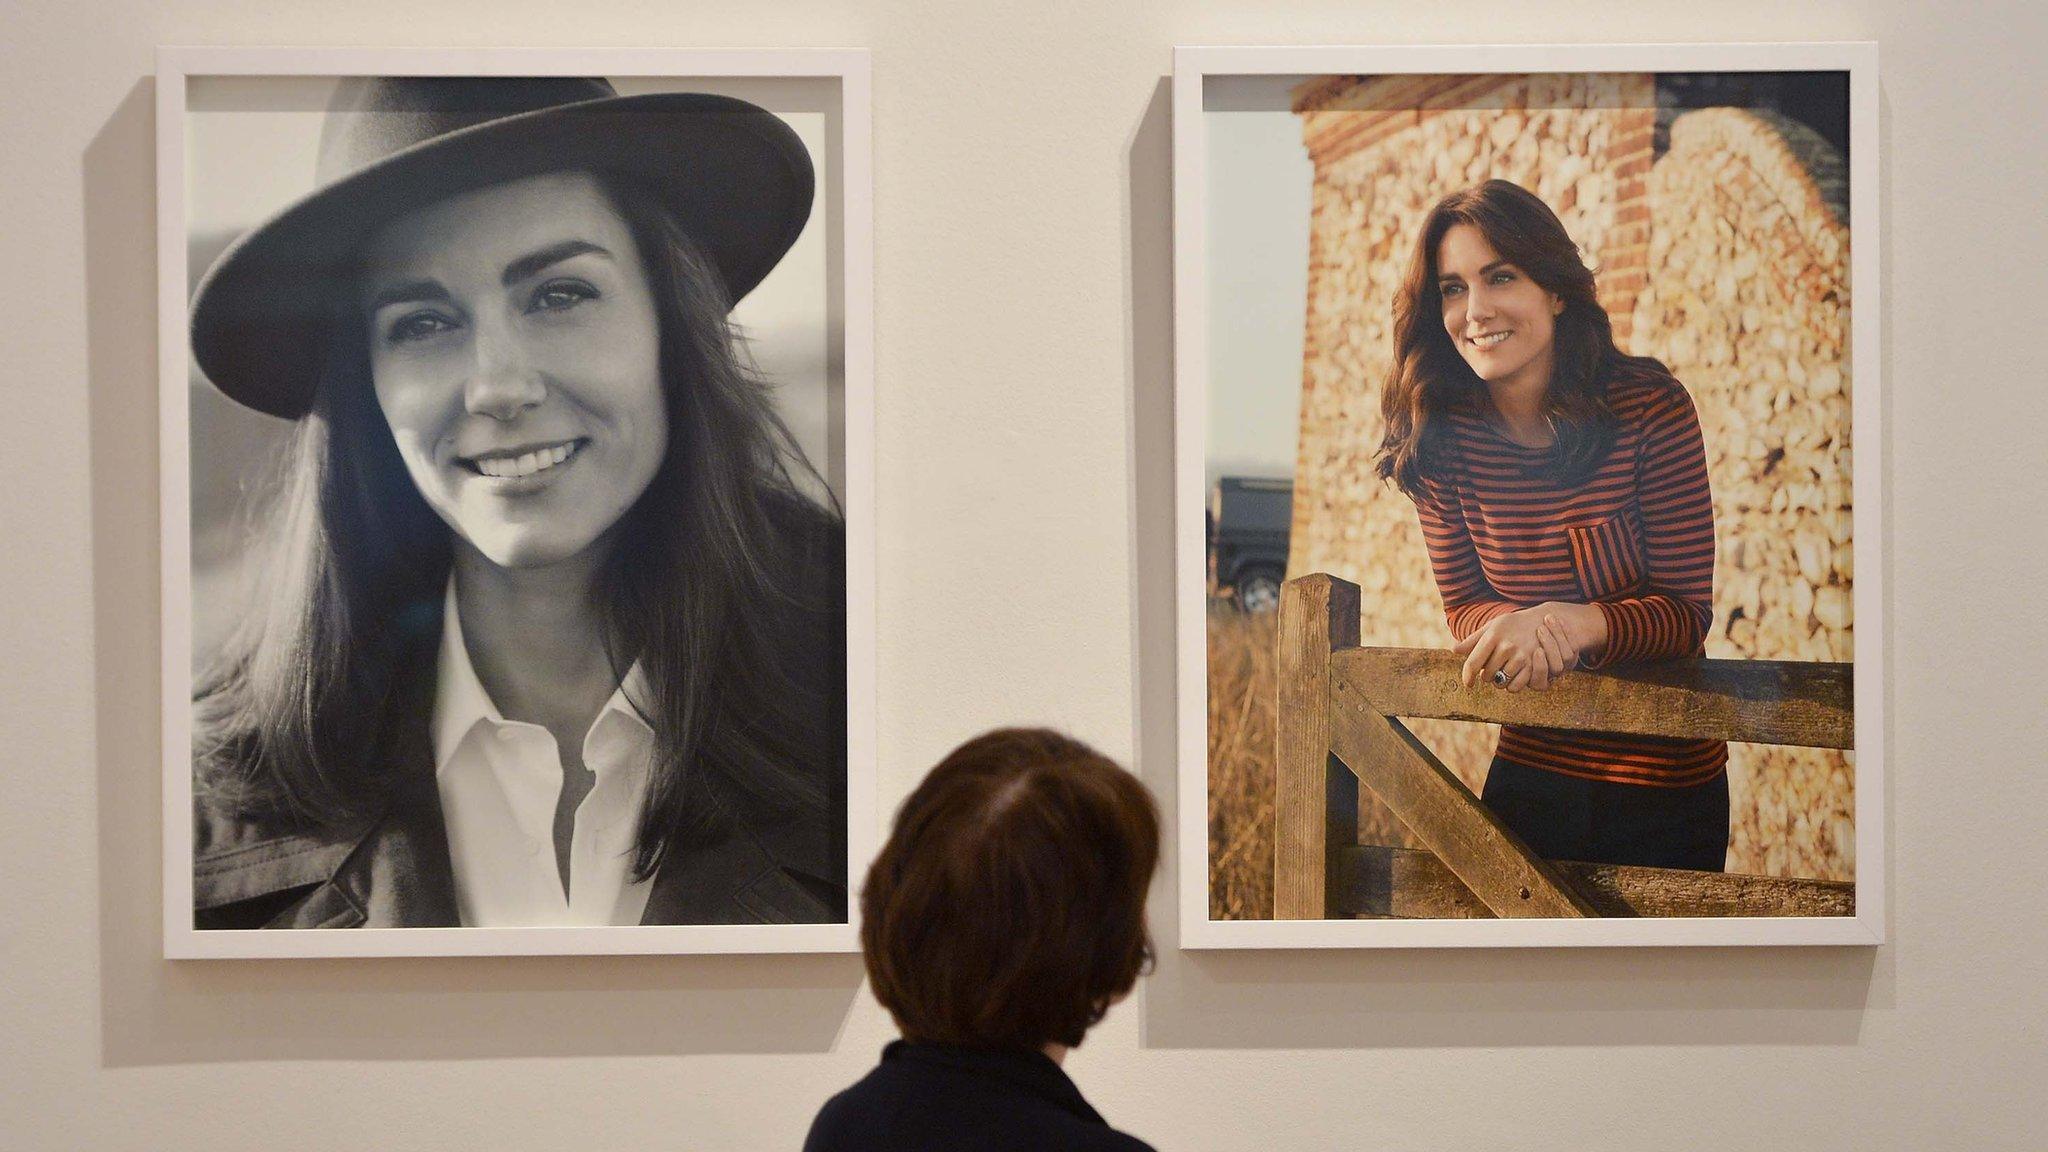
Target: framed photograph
(1529, 429)
(518, 500)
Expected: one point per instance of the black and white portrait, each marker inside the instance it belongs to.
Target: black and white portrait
(518, 505)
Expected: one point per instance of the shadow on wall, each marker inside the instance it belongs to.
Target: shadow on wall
(157, 1012)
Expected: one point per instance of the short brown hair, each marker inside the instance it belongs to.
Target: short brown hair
(1008, 907)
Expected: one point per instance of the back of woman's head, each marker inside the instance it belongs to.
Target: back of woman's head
(1008, 908)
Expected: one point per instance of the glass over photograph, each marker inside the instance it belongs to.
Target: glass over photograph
(518, 542)
(1528, 496)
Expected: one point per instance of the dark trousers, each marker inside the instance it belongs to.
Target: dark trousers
(1566, 818)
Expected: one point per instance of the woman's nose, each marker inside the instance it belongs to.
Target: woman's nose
(1478, 305)
(504, 382)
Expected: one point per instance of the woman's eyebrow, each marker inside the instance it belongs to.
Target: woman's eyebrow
(1447, 277)
(531, 263)
(416, 291)
(408, 292)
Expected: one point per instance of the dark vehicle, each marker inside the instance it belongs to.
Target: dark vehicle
(1248, 524)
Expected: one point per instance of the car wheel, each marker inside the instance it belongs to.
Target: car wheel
(1259, 590)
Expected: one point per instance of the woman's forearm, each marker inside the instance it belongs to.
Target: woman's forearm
(1652, 627)
(1656, 626)
(1470, 616)
(1584, 624)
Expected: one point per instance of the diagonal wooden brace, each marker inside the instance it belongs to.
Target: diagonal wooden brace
(1436, 806)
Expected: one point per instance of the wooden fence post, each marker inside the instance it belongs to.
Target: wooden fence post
(1316, 796)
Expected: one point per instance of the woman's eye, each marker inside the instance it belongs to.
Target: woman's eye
(1450, 289)
(1503, 277)
(561, 295)
(417, 326)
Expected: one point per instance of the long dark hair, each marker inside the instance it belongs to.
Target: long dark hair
(717, 564)
(1430, 378)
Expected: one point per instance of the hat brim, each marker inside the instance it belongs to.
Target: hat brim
(737, 179)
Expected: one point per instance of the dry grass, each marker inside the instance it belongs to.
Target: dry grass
(1243, 703)
(1241, 731)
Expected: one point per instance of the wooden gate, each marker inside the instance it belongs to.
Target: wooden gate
(1340, 712)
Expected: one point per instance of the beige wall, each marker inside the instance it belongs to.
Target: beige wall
(1023, 303)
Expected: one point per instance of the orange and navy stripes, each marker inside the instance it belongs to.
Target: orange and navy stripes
(1635, 538)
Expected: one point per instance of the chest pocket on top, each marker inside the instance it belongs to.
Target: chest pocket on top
(1608, 556)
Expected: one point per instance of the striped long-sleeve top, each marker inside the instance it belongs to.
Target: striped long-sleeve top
(1635, 538)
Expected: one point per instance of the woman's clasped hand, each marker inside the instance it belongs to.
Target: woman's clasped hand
(1531, 647)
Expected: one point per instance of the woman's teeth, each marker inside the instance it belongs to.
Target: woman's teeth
(1490, 339)
(527, 465)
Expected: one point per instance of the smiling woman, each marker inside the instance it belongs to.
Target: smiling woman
(1561, 486)
(549, 631)
(483, 309)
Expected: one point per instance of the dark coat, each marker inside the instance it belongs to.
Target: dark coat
(938, 1098)
(265, 869)
(395, 873)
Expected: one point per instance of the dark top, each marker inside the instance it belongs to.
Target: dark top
(938, 1097)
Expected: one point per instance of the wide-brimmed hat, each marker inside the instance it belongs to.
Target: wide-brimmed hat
(736, 178)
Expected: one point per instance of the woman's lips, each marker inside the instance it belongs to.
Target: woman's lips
(1489, 339)
(523, 470)
(520, 462)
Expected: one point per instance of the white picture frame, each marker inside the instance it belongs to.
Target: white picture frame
(832, 82)
(1197, 71)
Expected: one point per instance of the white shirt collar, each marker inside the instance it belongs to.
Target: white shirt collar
(460, 702)
(500, 781)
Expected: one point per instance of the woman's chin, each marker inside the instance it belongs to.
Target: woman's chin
(525, 551)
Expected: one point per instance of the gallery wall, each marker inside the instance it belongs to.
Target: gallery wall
(1024, 399)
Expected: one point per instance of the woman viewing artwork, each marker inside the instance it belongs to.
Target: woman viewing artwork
(550, 628)
(1003, 919)
(1562, 490)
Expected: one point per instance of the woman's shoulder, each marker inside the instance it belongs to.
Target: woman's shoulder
(937, 1097)
(253, 829)
(1641, 388)
(807, 540)
(807, 558)
(810, 530)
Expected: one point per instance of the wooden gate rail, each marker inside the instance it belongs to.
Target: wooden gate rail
(1339, 723)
